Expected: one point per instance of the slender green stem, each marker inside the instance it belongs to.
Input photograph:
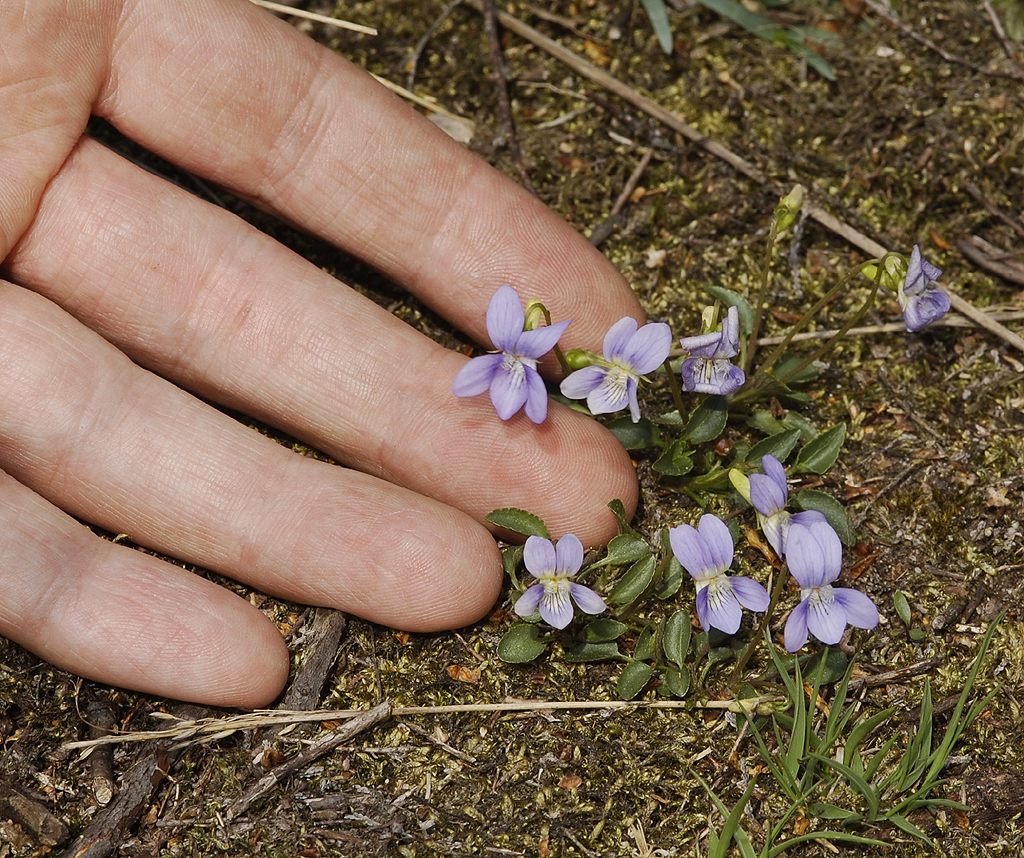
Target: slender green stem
(562, 362)
(805, 319)
(762, 293)
(755, 639)
(677, 391)
(831, 341)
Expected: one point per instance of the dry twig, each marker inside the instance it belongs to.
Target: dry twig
(313, 16)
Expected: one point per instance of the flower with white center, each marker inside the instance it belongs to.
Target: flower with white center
(628, 354)
(815, 558)
(511, 374)
(554, 565)
(706, 553)
(708, 369)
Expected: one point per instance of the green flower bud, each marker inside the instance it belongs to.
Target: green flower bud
(536, 315)
(788, 209)
(579, 358)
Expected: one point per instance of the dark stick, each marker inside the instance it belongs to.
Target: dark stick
(501, 87)
(336, 737)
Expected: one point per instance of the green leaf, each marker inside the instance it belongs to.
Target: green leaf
(671, 579)
(603, 630)
(707, 421)
(763, 421)
(817, 456)
(519, 521)
(587, 652)
(619, 511)
(634, 679)
(827, 666)
(632, 585)
(676, 640)
(624, 549)
(735, 299)
(655, 10)
(902, 606)
(795, 420)
(675, 461)
(644, 649)
(675, 683)
(520, 644)
(787, 363)
(510, 558)
(635, 436)
(780, 446)
(833, 511)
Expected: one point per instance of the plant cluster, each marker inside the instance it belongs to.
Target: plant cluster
(629, 590)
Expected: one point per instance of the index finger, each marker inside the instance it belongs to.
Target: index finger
(316, 140)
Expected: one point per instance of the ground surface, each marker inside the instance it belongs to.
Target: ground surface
(931, 471)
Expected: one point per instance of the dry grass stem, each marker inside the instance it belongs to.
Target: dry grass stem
(313, 16)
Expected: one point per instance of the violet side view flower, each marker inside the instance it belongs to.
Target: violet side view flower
(554, 565)
(922, 299)
(511, 374)
(768, 495)
(708, 369)
(628, 354)
(706, 553)
(815, 558)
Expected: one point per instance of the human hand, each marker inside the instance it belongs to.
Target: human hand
(130, 302)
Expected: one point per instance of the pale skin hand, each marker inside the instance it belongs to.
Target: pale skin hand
(126, 298)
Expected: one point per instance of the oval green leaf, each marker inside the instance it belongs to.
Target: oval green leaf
(585, 652)
(675, 461)
(603, 630)
(634, 679)
(817, 456)
(899, 600)
(735, 299)
(780, 446)
(520, 644)
(644, 649)
(675, 683)
(707, 421)
(624, 549)
(833, 511)
(676, 641)
(519, 521)
(635, 436)
(633, 584)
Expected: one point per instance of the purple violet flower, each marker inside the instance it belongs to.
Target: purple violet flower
(553, 565)
(706, 553)
(628, 353)
(708, 369)
(815, 558)
(921, 298)
(511, 374)
(768, 495)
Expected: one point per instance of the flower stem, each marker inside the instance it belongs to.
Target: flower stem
(762, 293)
(748, 651)
(677, 391)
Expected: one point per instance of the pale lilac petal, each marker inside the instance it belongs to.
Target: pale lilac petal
(702, 609)
(796, 628)
(634, 403)
(509, 387)
(612, 394)
(730, 344)
(826, 618)
(476, 376)
(920, 272)
(556, 609)
(691, 551)
(505, 318)
(860, 610)
(702, 345)
(536, 396)
(537, 343)
(765, 494)
(723, 609)
(921, 310)
(809, 517)
(617, 340)
(579, 384)
(569, 554)
(527, 604)
(806, 554)
(648, 348)
(707, 375)
(773, 469)
(586, 599)
(718, 539)
(539, 556)
(750, 594)
(776, 527)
